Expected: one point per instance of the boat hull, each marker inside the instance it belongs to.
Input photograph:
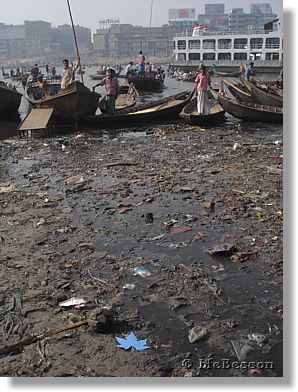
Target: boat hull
(250, 112)
(10, 101)
(215, 117)
(263, 98)
(163, 109)
(71, 105)
(147, 82)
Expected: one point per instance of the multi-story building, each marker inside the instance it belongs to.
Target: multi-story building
(12, 41)
(63, 37)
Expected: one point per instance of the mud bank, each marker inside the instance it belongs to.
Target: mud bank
(199, 210)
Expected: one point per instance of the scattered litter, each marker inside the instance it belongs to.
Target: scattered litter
(236, 146)
(259, 338)
(72, 302)
(74, 180)
(242, 256)
(158, 237)
(170, 223)
(86, 246)
(131, 341)
(223, 250)
(255, 371)
(200, 235)
(129, 286)
(241, 348)
(177, 245)
(209, 205)
(142, 271)
(122, 209)
(4, 188)
(182, 229)
(40, 222)
(197, 333)
(149, 218)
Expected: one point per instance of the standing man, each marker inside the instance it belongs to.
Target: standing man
(112, 88)
(67, 75)
(250, 71)
(141, 62)
(203, 82)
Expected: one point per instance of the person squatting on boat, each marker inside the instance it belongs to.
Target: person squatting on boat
(130, 69)
(111, 85)
(203, 82)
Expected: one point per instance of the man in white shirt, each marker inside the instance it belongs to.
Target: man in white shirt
(67, 75)
(129, 69)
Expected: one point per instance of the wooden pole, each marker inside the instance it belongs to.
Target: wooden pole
(149, 38)
(75, 38)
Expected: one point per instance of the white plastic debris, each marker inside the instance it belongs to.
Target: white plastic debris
(72, 302)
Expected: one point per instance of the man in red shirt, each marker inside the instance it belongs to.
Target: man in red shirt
(112, 88)
(202, 81)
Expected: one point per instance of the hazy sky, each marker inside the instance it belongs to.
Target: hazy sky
(88, 12)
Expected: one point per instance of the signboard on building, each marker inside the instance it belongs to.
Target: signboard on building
(182, 13)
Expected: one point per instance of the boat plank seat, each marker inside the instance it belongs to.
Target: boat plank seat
(37, 120)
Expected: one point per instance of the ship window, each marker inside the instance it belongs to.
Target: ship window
(224, 44)
(240, 56)
(208, 56)
(240, 43)
(272, 43)
(181, 45)
(174, 45)
(194, 44)
(182, 56)
(256, 43)
(224, 56)
(194, 56)
(272, 56)
(209, 44)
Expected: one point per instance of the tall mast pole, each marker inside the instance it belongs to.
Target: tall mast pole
(75, 39)
(150, 25)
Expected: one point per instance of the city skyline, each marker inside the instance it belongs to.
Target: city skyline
(135, 12)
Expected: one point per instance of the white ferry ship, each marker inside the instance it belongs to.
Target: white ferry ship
(229, 48)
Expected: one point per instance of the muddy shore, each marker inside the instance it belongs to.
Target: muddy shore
(199, 209)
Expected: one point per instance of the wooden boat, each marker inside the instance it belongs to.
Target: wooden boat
(246, 83)
(148, 81)
(10, 101)
(188, 78)
(265, 98)
(251, 111)
(100, 76)
(238, 91)
(18, 78)
(162, 109)
(71, 104)
(216, 115)
(127, 98)
(228, 74)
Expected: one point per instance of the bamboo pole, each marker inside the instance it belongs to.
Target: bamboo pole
(75, 39)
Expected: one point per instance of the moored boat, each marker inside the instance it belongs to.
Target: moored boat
(263, 97)
(238, 91)
(10, 101)
(228, 74)
(71, 104)
(162, 109)
(215, 116)
(127, 98)
(251, 111)
(148, 81)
